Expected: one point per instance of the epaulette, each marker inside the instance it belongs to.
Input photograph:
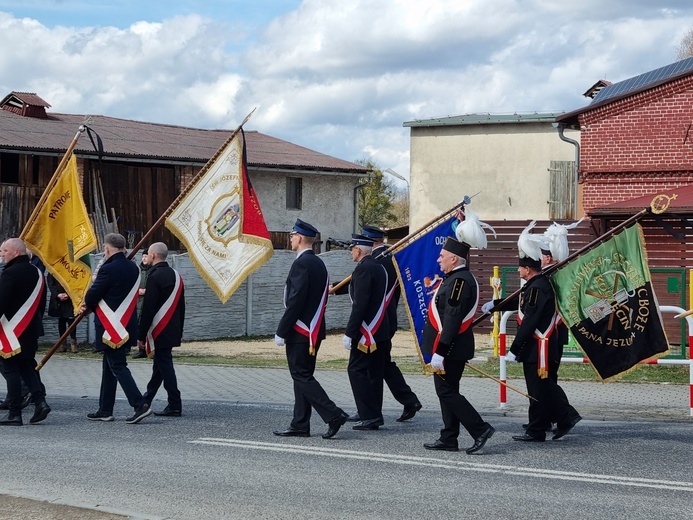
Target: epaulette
(456, 292)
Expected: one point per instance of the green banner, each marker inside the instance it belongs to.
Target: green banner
(606, 298)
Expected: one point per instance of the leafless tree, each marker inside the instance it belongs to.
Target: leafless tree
(685, 46)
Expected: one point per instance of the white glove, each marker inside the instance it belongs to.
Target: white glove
(346, 341)
(437, 362)
(497, 284)
(279, 341)
(510, 357)
(486, 307)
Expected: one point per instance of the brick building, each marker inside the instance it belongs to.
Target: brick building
(636, 136)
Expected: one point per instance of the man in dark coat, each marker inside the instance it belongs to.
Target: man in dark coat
(367, 333)
(22, 301)
(449, 339)
(302, 329)
(392, 375)
(161, 326)
(535, 343)
(113, 298)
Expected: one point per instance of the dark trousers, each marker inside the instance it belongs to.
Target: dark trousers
(548, 406)
(18, 370)
(394, 380)
(63, 324)
(163, 372)
(114, 370)
(308, 393)
(366, 378)
(560, 398)
(455, 407)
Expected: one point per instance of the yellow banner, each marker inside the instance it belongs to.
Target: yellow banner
(62, 233)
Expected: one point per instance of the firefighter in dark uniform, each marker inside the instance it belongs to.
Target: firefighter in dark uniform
(301, 330)
(367, 333)
(449, 339)
(392, 375)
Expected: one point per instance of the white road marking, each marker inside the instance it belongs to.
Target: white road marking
(595, 478)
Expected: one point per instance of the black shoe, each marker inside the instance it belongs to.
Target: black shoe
(409, 412)
(370, 424)
(526, 438)
(99, 416)
(11, 420)
(354, 418)
(481, 440)
(549, 428)
(440, 446)
(41, 411)
(142, 412)
(291, 432)
(141, 353)
(26, 399)
(562, 431)
(334, 425)
(169, 412)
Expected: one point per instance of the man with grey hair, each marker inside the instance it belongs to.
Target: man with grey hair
(113, 298)
(448, 337)
(367, 333)
(161, 327)
(22, 300)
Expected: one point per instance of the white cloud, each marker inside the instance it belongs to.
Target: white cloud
(341, 78)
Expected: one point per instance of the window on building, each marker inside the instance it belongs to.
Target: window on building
(9, 168)
(294, 193)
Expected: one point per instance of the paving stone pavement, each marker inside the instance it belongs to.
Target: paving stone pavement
(70, 377)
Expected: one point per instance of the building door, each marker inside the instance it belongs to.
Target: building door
(562, 190)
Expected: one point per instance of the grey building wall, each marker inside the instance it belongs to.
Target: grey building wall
(328, 202)
(254, 309)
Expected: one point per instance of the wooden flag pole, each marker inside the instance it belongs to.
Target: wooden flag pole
(392, 249)
(550, 269)
(53, 181)
(188, 188)
(149, 233)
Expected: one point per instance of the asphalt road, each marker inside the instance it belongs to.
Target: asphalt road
(220, 460)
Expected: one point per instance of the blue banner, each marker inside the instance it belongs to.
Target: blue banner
(419, 275)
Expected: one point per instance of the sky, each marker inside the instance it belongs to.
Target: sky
(337, 77)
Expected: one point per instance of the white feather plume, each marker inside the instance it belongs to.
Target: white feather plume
(529, 244)
(471, 230)
(557, 235)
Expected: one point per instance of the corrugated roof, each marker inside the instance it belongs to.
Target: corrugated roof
(143, 141)
(484, 119)
(682, 203)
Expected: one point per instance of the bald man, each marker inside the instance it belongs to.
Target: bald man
(22, 301)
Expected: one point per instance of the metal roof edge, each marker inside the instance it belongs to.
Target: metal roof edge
(485, 119)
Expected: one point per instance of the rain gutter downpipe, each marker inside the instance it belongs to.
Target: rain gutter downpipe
(561, 128)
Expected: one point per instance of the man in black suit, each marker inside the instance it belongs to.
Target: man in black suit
(22, 301)
(535, 343)
(367, 333)
(302, 329)
(449, 338)
(161, 327)
(113, 298)
(392, 375)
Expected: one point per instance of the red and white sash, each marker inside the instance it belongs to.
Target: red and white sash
(368, 330)
(542, 338)
(164, 314)
(115, 322)
(311, 331)
(11, 329)
(435, 320)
